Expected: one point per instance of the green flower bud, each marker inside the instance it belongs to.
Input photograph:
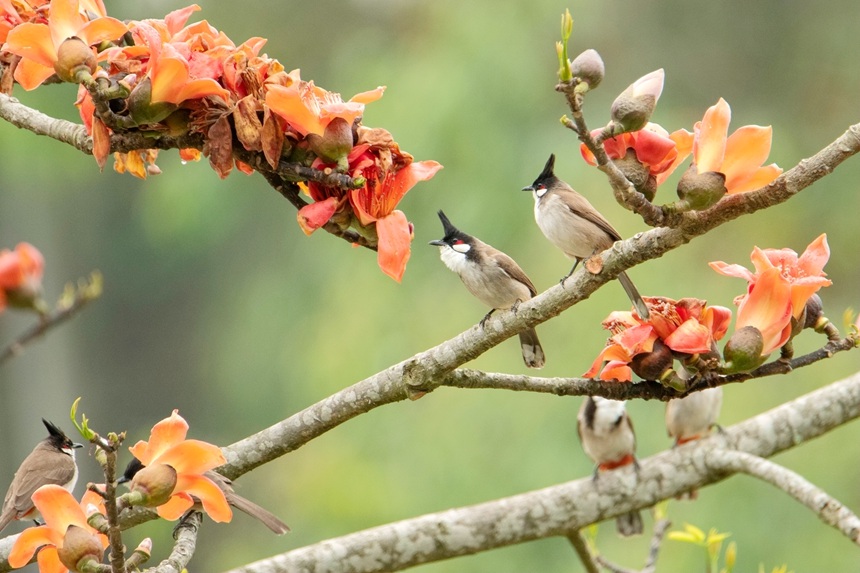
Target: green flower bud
(701, 190)
(632, 110)
(638, 174)
(588, 67)
(743, 350)
(152, 486)
(335, 144)
(81, 549)
(141, 108)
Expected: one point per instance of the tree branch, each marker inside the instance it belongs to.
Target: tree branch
(185, 535)
(577, 540)
(557, 510)
(828, 509)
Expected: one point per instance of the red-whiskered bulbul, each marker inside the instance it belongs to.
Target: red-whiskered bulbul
(692, 417)
(492, 277)
(573, 225)
(52, 461)
(607, 437)
(244, 505)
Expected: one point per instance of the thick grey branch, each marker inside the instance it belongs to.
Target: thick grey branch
(185, 535)
(27, 118)
(557, 510)
(828, 509)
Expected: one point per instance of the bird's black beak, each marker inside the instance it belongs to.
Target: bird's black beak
(529, 188)
(122, 480)
(437, 243)
(77, 445)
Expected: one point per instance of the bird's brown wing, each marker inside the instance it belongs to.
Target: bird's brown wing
(36, 471)
(513, 270)
(580, 207)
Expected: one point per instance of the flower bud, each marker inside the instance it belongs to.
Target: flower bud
(140, 106)
(152, 486)
(701, 190)
(588, 67)
(743, 350)
(335, 144)
(652, 365)
(80, 549)
(638, 174)
(74, 59)
(814, 310)
(632, 110)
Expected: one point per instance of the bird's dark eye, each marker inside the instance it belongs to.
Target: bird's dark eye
(541, 186)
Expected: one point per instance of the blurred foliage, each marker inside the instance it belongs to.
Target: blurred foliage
(215, 302)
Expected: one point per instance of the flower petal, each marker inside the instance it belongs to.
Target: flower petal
(768, 308)
(58, 508)
(49, 561)
(691, 337)
(746, 150)
(29, 541)
(732, 270)
(763, 176)
(616, 370)
(368, 96)
(178, 504)
(815, 256)
(101, 30)
(312, 217)
(192, 456)
(214, 502)
(165, 434)
(32, 41)
(289, 103)
(395, 237)
(710, 142)
(407, 177)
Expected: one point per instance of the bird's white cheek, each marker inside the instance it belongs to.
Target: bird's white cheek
(462, 248)
(539, 193)
(453, 259)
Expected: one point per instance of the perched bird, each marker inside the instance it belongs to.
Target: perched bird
(492, 277)
(264, 516)
(692, 417)
(52, 461)
(573, 225)
(607, 437)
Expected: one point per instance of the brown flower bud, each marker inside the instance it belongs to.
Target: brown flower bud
(701, 190)
(588, 67)
(638, 174)
(80, 548)
(652, 365)
(743, 350)
(335, 144)
(632, 109)
(152, 486)
(74, 58)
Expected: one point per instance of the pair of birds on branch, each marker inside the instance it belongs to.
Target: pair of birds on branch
(567, 219)
(52, 461)
(573, 225)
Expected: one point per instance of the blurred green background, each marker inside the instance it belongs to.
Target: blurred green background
(216, 303)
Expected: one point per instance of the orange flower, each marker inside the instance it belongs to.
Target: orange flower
(309, 109)
(21, 273)
(38, 43)
(767, 308)
(687, 327)
(188, 459)
(655, 148)
(739, 157)
(804, 274)
(65, 521)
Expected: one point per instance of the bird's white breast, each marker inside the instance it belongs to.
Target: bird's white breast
(563, 228)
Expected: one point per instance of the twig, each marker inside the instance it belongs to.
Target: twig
(85, 293)
(827, 508)
(185, 535)
(660, 529)
(581, 547)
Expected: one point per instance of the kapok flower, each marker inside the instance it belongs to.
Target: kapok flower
(805, 274)
(178, 465)
(686, 327)
(655, 148)
(66, 539)
(309, 108)
(38, 44)
(21, 273)
(739, 157)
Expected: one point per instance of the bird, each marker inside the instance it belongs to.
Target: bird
(492, 277)
(692, 417)
(607, 436)
(573, 225)
(52, 461)
(244, 505)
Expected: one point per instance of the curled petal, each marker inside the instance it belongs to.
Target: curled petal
(312, 217)
(49, 561)
(616, 370)
(29, 541)
(710, 145)
(192, 456)
(101, 30)
(732, 270)
(368, 96)
(395, 237)
(214, 502)
(691, 337)
(58, 508)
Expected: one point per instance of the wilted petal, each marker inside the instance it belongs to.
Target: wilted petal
(312, 217)
(368, 96)
(710, 143)
(395, 238)
(691, 337)
(732, 270)
(214, 502)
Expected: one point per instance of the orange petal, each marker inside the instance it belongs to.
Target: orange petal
(164, 434)
(710, 141)
(684, 146)
(746, 150)
(732, 270)
(192, 456)
(763, 176)
(198, 89)
(768, 308)
(369, 96)
(33, 42)
(64, 20)
(395, 237)
(101, 142)
(174, 508)
(312, 217)
(58, 508)
(29, 541)
(214, 503)
(177, 19)
(101, 30)
(407, 177)
(616, 370)
(49, 561)
(287, 102)
(815, 256)
(691, 337)
(717, 319)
